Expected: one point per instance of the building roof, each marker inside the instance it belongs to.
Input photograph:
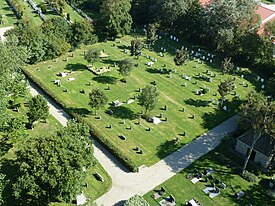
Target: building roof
(265, 145)
(265, 13)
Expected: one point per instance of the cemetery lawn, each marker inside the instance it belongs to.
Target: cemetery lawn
(225, 164)
(29, 13)
(95, 188)
(158, 142)
(8, 17)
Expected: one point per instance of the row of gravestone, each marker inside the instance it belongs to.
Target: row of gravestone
(80, 12)
(34, 6)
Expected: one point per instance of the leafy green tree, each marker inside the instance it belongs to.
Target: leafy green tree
(225, 87)
(52, 167)
(97, 99)
(148, 98)
(221, 19)
(38, 109)
(167, 11)
(125, 66)
(227, 65)
(92, 56)
(115, 17)
(151, 32)
(136, 200)
(136, 47)
(269, 28)
(181, 57)
(258, 115)
(83, 33)
(15, 129)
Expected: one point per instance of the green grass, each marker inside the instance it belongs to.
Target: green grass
(184, 190)
(157, 143)
(7, 14)
(29, 13)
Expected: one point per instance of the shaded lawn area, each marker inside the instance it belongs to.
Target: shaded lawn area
(225, 166)
(172, 94)
(94, 187)
(8, 17)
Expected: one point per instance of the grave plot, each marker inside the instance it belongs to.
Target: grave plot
(188, 103)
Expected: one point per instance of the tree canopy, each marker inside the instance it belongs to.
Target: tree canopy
(38, 109)
(181, 57)
(125, 66)
(97, 99)
(148, 98)
(91, 56)
(115, 17)
(50, 168)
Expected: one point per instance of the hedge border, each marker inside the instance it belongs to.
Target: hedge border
(94, 132)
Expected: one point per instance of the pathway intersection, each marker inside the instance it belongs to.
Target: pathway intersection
(126, 184)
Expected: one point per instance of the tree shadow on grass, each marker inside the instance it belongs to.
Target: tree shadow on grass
(78, 111)
(168, 147)
(122, 112)
(153, 71)
(257, 194)
(105, 79)
(210, 120)
(75, 67)
(196, 103)
(109, 61)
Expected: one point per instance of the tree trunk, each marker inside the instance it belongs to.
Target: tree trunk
(249, 154)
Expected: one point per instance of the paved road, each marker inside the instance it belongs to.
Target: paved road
(126, 184)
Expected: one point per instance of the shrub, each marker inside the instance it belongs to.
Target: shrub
(250, 177)
(44, 8)
(136, 200)
(147, 117)
(205, 90)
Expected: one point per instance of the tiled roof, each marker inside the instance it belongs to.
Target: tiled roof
(265, 145)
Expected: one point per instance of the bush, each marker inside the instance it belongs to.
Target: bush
(250, 177)
(147, 117)
(205, 90)
(44, 8)
(136, 200)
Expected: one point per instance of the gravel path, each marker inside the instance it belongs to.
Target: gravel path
(126, 184)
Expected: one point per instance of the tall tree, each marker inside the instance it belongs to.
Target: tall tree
(151, 32)
(136, 47)
(227, 65)
(148, 98)
(51, 168)
(167, 11)
(181, 57)
(97, 99)
(221, 19)
(258, 115)
(83, 33)
(92, 56)
(115, 17)
(38, 109)
(225, 87)
(124, 68)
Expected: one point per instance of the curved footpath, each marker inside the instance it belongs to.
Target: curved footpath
(126, 184)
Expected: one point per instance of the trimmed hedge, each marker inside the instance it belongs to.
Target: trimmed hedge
(250, 177)
(94, 132)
